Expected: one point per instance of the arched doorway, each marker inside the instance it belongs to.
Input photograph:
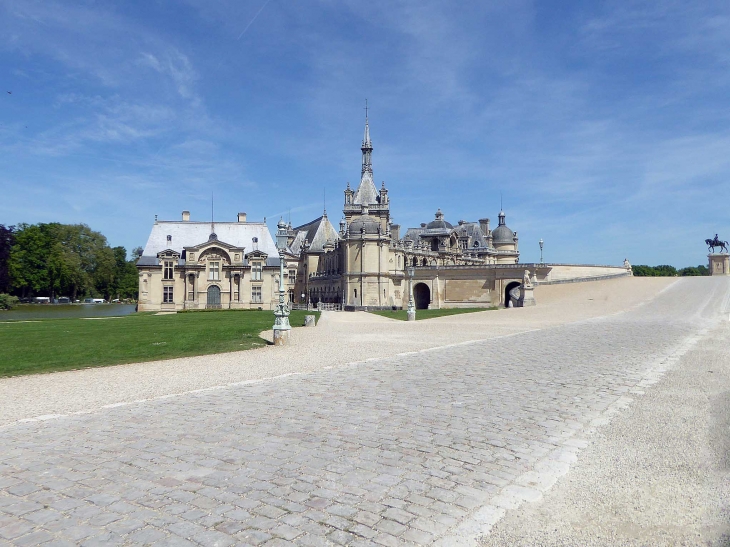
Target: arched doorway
(422, 296)
(214, 297)
(507, 289)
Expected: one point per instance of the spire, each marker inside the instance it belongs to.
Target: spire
(367, 146)
(366, 192)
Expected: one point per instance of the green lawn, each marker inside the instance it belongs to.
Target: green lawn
(63, 344)
(428, 314)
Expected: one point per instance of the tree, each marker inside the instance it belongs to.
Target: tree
(137, 252)
(7, 238)
(28, 259)
(692, 271)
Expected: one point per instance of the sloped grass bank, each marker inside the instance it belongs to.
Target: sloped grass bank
(65, 344)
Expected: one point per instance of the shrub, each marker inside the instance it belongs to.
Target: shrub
(8, 301)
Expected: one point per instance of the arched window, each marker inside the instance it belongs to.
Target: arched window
(415, 261)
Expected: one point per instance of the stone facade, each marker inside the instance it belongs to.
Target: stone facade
(198, 265)
(364, 264)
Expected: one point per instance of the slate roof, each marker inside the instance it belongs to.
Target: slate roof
(473, 231)
(317, 232)
(366, 193)
(187, 234)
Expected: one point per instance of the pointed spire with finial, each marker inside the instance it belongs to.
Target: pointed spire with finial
(366, 191)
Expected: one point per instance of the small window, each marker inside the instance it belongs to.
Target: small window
(168, 269)
(191, 295)
(169, 238)
(256, 295)
(214, 271)
(167, 295)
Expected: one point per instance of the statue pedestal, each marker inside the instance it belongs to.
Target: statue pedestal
(522, 297)
(719, 263)
(281, 337)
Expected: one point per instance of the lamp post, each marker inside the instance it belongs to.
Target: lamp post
(282, 328)
(411, 313)
(541, 244)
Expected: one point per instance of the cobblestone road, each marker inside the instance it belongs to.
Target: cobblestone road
(429, 447)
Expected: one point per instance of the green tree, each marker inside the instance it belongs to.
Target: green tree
(695, 271)
(28, 266)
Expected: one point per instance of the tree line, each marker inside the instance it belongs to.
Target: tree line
(665, 270)
(64, 260)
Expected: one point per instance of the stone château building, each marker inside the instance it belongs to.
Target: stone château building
(361, 265)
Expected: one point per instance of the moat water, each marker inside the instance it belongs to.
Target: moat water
(62, 311)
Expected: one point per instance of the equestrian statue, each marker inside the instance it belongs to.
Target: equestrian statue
(712, 243)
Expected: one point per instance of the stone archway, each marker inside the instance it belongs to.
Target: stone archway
(214, 297)
(422, 296)
(507, 289)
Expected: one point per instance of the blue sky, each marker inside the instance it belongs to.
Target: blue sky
(604, 125)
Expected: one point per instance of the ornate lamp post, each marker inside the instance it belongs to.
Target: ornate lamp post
(411, 313)
(282, 328)
(541, 244)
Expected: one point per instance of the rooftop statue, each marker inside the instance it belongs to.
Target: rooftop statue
(712, 243)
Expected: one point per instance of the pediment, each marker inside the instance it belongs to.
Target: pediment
(201, 247)
(168, 253)
(256, 254)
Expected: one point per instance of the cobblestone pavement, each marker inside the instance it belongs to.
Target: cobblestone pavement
(427, 447)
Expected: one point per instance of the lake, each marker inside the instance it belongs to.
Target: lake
(60, 311)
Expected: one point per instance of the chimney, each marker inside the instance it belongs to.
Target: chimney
(395, 232)
(241, 217)
(484, 225)
(186, 216)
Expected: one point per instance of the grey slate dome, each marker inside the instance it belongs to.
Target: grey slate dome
(366, 222)
(501, 233)
(439, 223)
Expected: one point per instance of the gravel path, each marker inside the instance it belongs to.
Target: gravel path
(657, 474)
(434, 446)
(339, 338)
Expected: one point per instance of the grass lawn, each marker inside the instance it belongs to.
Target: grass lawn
(428, 314)
(63, 344)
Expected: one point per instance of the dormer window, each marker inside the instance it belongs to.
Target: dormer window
(169, 238)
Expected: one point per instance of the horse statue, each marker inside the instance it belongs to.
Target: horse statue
(712, 243)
